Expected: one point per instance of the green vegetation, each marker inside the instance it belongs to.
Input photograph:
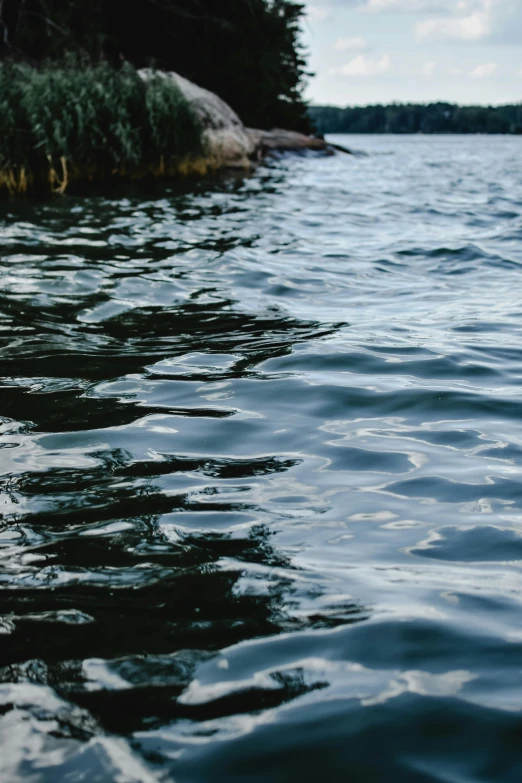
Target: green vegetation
(72, 104)
(247, 51)
(64, 121)
(418, 118)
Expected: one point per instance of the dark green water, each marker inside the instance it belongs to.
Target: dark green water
(261, 475)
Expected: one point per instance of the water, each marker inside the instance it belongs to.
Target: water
(261, 448)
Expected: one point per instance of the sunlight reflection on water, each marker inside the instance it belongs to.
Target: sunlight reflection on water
(261, 488)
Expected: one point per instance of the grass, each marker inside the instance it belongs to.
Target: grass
(69, 121)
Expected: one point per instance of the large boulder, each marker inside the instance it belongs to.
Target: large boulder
(227, 142)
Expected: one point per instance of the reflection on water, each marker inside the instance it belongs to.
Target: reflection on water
(260, 450)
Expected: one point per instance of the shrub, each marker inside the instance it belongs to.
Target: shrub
(249, 52)
(70, 118)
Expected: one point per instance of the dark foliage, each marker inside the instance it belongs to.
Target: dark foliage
(70, 117)
(245, 50)
(418, 118)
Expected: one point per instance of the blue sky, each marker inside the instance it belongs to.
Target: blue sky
(365, 51)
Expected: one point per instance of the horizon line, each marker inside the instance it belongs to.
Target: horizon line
(312, 104)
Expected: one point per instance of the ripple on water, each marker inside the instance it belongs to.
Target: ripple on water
(260, 474)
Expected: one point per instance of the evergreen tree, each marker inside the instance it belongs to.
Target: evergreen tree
(418, 118)
(248, 51)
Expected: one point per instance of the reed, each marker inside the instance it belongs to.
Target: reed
(66, 122)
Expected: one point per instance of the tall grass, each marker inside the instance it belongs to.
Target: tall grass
(69, 121)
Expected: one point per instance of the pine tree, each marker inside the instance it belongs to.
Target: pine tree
(248, 51)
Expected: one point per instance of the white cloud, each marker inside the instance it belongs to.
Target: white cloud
(318, 13)
(428, 69)
(363, 66)
(468, 20)
(483, 71)
(408, 5)
(454, 7)
(465, 20)
(359, 44)
(465, 28)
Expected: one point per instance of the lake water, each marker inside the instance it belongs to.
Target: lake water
(261, 457)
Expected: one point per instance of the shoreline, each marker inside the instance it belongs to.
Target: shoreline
(64, 126)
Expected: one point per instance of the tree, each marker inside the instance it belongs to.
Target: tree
(248, 51)
(417, 118)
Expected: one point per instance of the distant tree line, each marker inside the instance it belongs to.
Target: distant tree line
(247, 51)
(417, 118)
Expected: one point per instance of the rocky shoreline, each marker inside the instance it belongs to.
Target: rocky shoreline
(228, 143)
(140, 125)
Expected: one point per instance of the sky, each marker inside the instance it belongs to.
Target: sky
(379, 51)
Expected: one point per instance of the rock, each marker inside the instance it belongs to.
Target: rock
(287, 141)
(278, 140)
(228, 143)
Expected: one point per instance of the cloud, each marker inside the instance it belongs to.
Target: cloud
(359, 44)
(453, 7)
(464, 28)
(483, 71)
(363, 66)
(479, 72)
(408, 6)
(318, 13)
(321, 10)
(428, 69)
(465, 20)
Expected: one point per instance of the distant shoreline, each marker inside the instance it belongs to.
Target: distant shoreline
(411, 118)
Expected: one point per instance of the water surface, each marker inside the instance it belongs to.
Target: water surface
(261, 487)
